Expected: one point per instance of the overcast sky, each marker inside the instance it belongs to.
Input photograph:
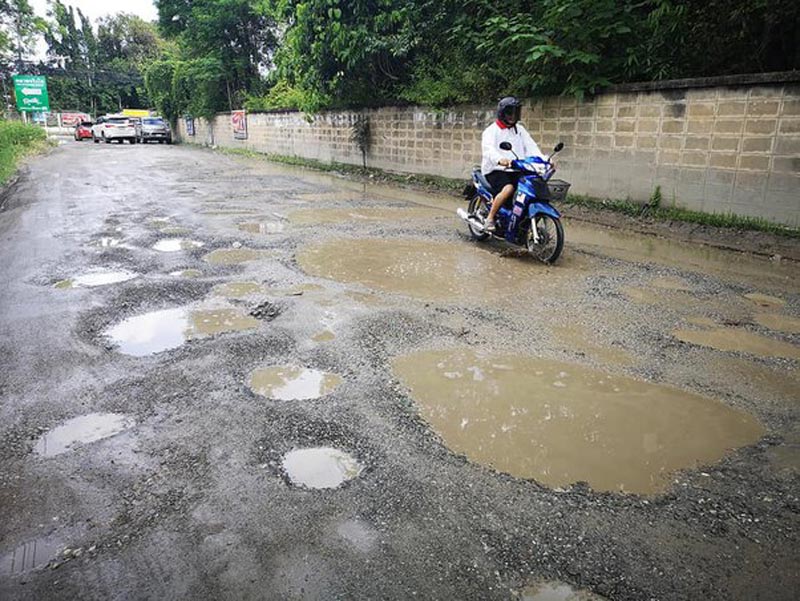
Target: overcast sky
(100, 8)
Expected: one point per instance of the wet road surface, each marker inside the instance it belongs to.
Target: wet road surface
(208, 393)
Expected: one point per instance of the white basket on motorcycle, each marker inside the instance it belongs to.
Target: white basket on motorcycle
(558, 189)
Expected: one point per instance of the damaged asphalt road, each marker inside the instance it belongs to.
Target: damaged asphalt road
(159, 305)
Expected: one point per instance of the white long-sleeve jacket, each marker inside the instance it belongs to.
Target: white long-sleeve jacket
(521, 143)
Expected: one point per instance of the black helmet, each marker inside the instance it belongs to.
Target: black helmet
(508, 110)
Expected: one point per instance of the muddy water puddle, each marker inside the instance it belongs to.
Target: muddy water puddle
(324, 336)
(289, 382)
(758, 381)
(780, 323)
(81, 430)
(731, 265)
(320, 467)
(30, 555)
(739, 340)
(171, 245)
(433, 271)
(167, 329)
(557, 591)
(187, 273)
(562, 423)
(238, 290)
(263, 227)
(233, 256)
(765, 301)
(312, 216)
(99, 277)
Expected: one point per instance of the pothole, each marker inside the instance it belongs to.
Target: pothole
(217, 321)
(781, 323)
(84, 429)
(320, 467)
(175, 231)
(167, 329)
(738, 340)
(106, 242)
(262, 227)
(100, 277)
(561, 423)
(313, 216)
(238, 290)
(289, 382)
(557, 591)
(30, 555)
(232, 256)
(187, 273)
(433, 270)
(171, 245)
(764, 300)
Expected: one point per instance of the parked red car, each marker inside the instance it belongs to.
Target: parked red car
(83, 130)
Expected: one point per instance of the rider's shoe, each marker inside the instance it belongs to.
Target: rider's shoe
(488, 226)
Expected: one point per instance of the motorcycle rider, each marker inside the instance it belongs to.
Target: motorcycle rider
(496, 162)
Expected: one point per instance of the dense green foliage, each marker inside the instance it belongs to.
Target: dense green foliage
(15, 140)
(314, 54)
(217, 52)
(98, 72)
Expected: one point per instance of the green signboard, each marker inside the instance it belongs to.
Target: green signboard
(31, 93)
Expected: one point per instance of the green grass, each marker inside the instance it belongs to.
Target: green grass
(652, 210)
(656, 212)
(17, 140)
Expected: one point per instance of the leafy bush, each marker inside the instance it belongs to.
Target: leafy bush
(15, 140)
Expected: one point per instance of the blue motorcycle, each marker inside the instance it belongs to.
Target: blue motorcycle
(531, 222)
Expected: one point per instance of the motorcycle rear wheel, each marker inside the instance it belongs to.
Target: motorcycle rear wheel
(551, 239)
(476, 207)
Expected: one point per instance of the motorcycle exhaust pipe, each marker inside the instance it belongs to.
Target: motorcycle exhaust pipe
(467, 217)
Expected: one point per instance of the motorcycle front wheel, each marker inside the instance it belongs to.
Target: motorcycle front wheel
(551, 239)
(477, 207)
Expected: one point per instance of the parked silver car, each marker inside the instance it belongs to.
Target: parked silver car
(155, 128)
(114, 127)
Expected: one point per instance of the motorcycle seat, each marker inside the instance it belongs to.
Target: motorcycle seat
(478, 175)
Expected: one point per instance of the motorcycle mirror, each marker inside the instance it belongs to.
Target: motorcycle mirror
(505, 145)
(559, 147)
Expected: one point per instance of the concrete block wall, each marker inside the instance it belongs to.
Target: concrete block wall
(713, 148)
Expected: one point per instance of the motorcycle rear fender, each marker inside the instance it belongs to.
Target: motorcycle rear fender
(540, 207)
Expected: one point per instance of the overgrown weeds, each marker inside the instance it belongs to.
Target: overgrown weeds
(16, 140)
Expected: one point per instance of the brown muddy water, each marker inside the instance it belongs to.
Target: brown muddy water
(167, 329)
(562, 423)
(780, 323)
(262, 227)
(435, 271)
(84, 429)
(765, 300)
(320, 467)
(629, 246)
(238, 290)
(355, 214)
(232, 256)
(289, 382)
(739, 340)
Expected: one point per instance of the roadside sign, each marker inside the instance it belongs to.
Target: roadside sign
(239, 124)
(141, 113)
(31, 93)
